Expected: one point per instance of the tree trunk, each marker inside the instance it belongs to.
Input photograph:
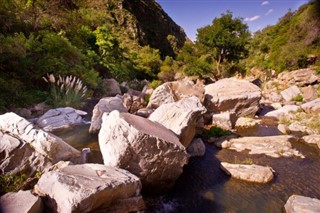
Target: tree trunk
(218, 62)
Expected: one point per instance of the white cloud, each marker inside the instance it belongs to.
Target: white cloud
(269, 12)
(252, 18)
(265, 3)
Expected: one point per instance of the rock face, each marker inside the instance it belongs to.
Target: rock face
(174, 91)
(302, 77)
(290, 93)
(25, 148)
(60, 118)
(89, 187)
(133, 103)
(229, 94)
(105, 105)
(273, 146)
(250, 173)
(21, 201)
(181, 117)
(312, 106)
(300, 204)
(146, 149)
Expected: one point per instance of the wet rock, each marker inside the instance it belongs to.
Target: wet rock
(90, 187)
(111, 87)
(299, 204)
(312, 139)
(144, 112)
(273, 146)
(174, 91)
(224, 120)
(312, 106)
(229, 94)
(181, 117)
(21, 201)
(60, 118)
(250, 173)
(290, 93)
(297, 129)
(283, 111)
(145, 148)
(105, 105)
(196, 148)
(25, 148)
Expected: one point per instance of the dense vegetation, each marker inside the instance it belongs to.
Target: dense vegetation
(294, 42)
(91, 40)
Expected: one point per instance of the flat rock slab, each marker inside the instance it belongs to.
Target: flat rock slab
(301, 204)
(283, 111)
(273, 146)
(21, 201)
(89, 187)
(145, 148)
(312, 139)
(290, 93)
(60, 118)
(250, 173)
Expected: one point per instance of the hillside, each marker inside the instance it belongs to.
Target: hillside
(294, 42)
(86, 38)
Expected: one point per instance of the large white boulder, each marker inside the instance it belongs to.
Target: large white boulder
(290, 93)
(312, 106)
(250, 173)
(21, 201)
(170, 92)
(181, 117)
(90, 187)
(105, 105)
(145, 148)
(60, 118)
(25, 148)
(233, 95)
(284, 111)
(302, 204)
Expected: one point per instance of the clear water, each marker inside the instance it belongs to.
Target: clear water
(204, 187)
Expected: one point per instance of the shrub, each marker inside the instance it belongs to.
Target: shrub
(154, 84)
(66, 91)
(11, 182)
(217, 132)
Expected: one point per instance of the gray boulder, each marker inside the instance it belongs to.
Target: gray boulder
(312, 139)
(284, 111)
(301, 204)
(233, 95)
(25, 148)
(250, 173)
(312, 106)
(196, 148)
(145, 148)
(170, 92)
(105, 105)
(224, 120)
(301, 77)
(60, 118)
(111, 87)
(290, 93)
(90, 187)
(21, 201)
(181, 117)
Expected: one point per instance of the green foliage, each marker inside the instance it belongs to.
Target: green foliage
(287, 45)
(226, 39)
(11, 182)
(247, 161)
(298, 98)
(217, 132)
(154, 84)
(66, 91)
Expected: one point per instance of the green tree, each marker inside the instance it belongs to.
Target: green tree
(226, 39)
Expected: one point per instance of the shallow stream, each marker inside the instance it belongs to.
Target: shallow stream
(204, 187)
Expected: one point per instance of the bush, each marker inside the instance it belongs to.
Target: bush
(66, 91)
(217, 132)
(154, 84)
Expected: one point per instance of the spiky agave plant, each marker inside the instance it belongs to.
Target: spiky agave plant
(66, 91)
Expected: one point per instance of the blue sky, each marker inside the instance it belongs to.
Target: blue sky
(193, 14)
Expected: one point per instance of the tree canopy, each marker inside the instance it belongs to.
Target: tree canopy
(226, 39)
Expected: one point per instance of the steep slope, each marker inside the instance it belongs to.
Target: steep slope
(294, 42)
